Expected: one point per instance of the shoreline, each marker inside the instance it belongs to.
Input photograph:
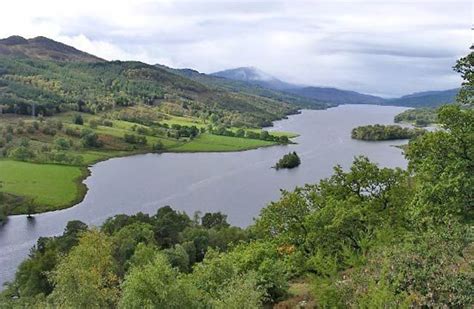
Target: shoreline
(82, 188)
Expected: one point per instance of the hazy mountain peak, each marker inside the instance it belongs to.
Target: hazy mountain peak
(255, 76)
(246, 74)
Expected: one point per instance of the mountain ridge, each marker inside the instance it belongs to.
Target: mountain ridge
(43, 48)
(334, 95)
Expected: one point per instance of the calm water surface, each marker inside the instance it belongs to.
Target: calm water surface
(239, 184)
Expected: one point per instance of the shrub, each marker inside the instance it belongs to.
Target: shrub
(77, 119)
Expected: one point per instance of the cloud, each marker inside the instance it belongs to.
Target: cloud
(389, 47)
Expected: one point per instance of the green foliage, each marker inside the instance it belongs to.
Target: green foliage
(443, 163)
(157, 285)
(385, 132)
(94, 87)
(90, 139)
(135, 139)
(290, 160)
(21, 153)
(420, 117)
(214, 220)
(465, 66)
(77, 119)
(90, 266)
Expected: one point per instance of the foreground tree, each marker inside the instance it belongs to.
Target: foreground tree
(86, 277)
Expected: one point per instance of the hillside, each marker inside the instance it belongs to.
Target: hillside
(336, 96)
(255, 76)
(425, 99)
(43, 49)
(31, 75)
(215, 81)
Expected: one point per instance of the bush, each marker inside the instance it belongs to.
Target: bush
(77, 119)
(158, 146)
(62, 143)
(22, 153)
(135, 139)
(90, 139)
(93, 123)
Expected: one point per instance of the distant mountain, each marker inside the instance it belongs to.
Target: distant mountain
(255, 76)
(330, 96)
(334, 96)
(425, 99)
(337, 96)
(43, 49)
(247, 86)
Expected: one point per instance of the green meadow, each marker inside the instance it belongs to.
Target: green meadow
(216, 143)
(42, 185)
(47, 186)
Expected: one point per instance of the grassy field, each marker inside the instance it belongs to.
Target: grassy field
(48, 186)
(55, 186)
(216, 143)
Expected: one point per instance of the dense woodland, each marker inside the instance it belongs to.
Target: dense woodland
(380, 132)
(52, 87)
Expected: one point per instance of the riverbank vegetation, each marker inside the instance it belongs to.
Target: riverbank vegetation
(36, 150)
(290, 160)
(365, 237)
(68, 109)
(385, 132)
(420, 117)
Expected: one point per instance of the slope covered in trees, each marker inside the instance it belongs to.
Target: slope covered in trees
(52, 84)
(380, 132)
(420, 117)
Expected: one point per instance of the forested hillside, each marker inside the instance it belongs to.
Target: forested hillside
(29, 81)
(366, 237)
(425, 99)
(220, 82)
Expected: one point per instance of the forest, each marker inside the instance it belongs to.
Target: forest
(379, 132)
(46, 88)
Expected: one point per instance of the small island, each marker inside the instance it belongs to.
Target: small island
(290, 160)
(385, 132)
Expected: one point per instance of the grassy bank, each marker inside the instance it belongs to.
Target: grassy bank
(44, 161)
(46, 186)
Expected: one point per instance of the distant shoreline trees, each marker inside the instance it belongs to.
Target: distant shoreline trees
(385, 132)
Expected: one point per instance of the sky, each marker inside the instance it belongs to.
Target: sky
(381, 47)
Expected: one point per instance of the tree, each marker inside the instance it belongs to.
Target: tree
(86, 276)
(90, 139)
(214, 220)
(157, 285)
(168, 224)
(443, 162)
(77, 119)
(465, 66)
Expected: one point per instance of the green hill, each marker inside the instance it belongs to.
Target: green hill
(52, 77)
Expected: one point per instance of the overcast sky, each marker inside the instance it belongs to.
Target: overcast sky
(384, 47)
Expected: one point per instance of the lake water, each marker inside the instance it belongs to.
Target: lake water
(239, 184)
